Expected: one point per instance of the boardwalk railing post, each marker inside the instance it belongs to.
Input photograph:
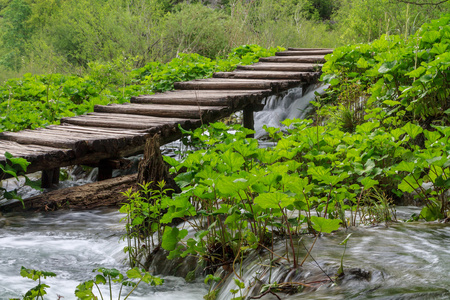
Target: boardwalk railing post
(249, 120)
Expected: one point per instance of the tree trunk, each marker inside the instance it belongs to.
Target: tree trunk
(152, 167)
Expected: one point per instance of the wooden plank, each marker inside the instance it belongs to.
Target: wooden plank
(268, 75)
(304, 52)
(308, 49)
(293, 59)
(34, 137)
(294, 67)
(159, 110)
(122, 121)
(134, 118)
(96, 142)
(200, 97)
(225, 83)
(95, 130)
(17, 149)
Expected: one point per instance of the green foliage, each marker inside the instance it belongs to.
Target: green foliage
(110, 276)
(143, 211)
(402, 80)
(14, 167)
(15, 34)
(38, 291)
(196, 28)
(240, 193)
(364, 21)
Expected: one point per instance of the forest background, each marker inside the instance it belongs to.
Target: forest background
(66, 36)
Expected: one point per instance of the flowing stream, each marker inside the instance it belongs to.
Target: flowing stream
(72, 244)
(402, 261)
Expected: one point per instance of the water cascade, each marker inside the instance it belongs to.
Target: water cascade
(289, 105)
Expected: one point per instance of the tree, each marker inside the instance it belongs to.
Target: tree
(15, 34)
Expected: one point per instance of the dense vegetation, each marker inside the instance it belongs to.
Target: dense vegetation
(61, 36)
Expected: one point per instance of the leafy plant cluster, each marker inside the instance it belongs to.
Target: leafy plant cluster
(15, 167)
(83, 291)
(238, 196)
(398, 79)
(39, 100)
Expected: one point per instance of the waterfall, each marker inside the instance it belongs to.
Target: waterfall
(289, 105)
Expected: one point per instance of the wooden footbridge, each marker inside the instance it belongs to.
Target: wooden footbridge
(114, 131)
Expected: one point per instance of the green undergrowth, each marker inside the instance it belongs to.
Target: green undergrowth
(395, 78)
(34, 101)
(381, 132)
(238, 196)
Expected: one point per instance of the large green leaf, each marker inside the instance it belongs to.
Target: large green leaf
(325, 225)
(387, 66)
(412, 130)
(171, 237)
(274, 200)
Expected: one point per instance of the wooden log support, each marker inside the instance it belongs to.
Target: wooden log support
(249, 119)
(105, 170)
(305, 88)
(50, 177)
(152, 167)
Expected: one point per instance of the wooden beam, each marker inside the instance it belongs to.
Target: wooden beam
(304, 52)
(249, 119)
(105, 170)
(293, 59)
(50, 177)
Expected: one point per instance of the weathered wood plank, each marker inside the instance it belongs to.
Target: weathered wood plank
(123, 121)
(200, 97)
(304, 52)
(159, 110)
(236, 84)
(217, 84)
(40, 157)
(240, 74)
(95, 130)
(290, 67)
(308, 49)
(109, 143)
(55, 141)
(293, 59)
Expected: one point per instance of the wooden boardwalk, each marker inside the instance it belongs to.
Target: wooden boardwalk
(114, 131)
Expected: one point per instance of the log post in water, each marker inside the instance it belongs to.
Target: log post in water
(50, 177)
(249, 120)
(152, 167)
(105, 170)
(305, 87)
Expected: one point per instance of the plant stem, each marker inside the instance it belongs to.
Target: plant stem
(310, 249)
